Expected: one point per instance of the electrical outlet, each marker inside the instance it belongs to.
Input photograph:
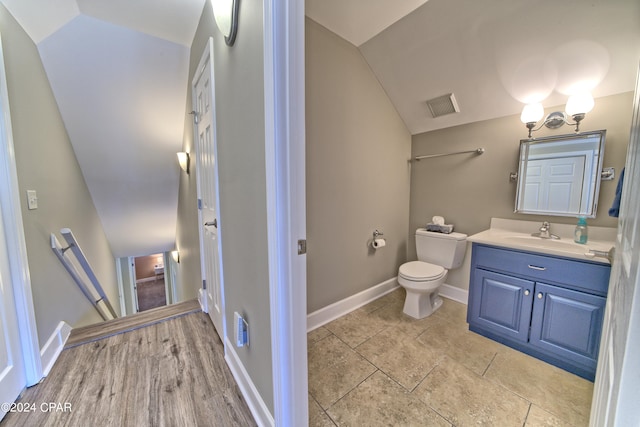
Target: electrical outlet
(32, 199)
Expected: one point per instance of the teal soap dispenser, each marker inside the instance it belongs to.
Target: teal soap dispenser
(582, 233)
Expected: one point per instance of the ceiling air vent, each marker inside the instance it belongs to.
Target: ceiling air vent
(443, 105)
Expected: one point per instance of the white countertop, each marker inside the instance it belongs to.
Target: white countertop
(515, 234)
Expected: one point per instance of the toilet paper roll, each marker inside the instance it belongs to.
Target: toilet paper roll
(379, 243)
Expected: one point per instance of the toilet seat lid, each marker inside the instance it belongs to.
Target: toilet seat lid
(421, 271)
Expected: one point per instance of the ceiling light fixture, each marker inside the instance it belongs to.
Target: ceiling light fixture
(577, 107)
(225, 13)
(183, 160)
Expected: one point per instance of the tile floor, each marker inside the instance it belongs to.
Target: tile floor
(377, 366)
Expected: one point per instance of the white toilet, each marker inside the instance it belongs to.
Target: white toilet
(437, 253)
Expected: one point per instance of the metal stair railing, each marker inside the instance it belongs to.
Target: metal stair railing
(93, 287)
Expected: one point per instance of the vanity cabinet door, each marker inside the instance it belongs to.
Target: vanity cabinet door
(502, 304)
(567, 323)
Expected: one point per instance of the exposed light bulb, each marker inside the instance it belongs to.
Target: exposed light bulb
(531, 113)
(222, 15)
(580, 103)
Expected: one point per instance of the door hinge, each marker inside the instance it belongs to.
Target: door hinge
(200, 204)
(302, 247)
(204, 283)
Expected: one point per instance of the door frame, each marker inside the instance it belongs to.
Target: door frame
(16, 243)
(207, 55)
(284, 101)
(616, 393)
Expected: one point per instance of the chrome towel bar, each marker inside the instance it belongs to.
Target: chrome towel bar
(477, 151)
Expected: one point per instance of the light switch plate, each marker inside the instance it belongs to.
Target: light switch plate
(32, 199)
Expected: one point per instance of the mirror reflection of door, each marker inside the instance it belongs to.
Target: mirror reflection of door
(555, 184)
(560, 175)
(150, 282)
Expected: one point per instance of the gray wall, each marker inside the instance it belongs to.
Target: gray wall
(357, 172)
(469, 190)
(239, 74)
(189, 273)
(46, 163)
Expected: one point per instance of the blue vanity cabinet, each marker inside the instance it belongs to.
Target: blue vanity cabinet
(567, 324)
(504, 304)
(546, 306)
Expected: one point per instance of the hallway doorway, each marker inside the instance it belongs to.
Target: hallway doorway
(150, 282)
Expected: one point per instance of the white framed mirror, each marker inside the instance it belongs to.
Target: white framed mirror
(560, 175)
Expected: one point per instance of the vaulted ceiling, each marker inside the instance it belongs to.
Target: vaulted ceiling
(119, 72)
(118, 69)
(493, 55)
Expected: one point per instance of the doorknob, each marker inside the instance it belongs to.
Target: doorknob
(212, 223)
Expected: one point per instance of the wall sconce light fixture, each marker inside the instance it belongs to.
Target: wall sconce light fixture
(176, 256)
(225, 13)
(577, 107)
(183, 160)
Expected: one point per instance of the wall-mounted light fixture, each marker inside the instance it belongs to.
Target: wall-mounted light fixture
(176, 256)
(183, 160)
(226, 14)
(577, 107)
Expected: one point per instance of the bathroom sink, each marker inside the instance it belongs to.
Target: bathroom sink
(515, 234)
(569, 246)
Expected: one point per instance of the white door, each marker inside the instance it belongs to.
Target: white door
(12, 373)
(207, 175)
(617, 385)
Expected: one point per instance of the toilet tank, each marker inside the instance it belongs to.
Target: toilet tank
(445, 250)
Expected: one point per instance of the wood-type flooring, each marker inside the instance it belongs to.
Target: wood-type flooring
(101, 330)
(171, 373)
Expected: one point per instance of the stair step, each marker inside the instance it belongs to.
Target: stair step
(86, 334)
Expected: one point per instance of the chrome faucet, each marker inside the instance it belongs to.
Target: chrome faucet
(545, 232)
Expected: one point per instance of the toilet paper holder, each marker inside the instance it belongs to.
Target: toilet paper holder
(377, 241)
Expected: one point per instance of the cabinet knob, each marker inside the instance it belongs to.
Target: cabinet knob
(527, 292)
(539, 295)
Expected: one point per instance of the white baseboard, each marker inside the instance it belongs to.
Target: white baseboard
(51, 350)
(454, 293)
(347, 305)
(202, 299)
(249, 391)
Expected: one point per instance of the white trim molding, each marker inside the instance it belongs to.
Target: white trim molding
(54, 346)
(455, 293)
(202, 299)
(284, 95)
(16, 243)
(347, 305)
(249, 391)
